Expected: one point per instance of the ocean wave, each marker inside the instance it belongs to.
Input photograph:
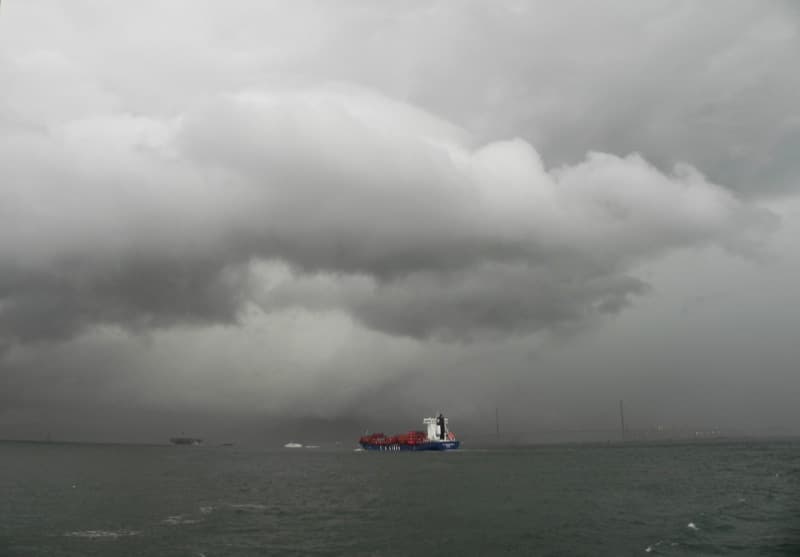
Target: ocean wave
(651, 548)
(249, 506)
(178, 519)
(106, 534)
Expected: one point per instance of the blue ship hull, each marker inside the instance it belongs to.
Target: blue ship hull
(431, 446)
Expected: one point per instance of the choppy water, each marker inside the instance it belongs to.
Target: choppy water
(104, 500)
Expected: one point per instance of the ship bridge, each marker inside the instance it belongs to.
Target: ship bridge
(437, 427)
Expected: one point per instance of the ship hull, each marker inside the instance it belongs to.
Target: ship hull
(430, 446)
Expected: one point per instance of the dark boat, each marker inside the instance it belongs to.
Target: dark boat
(186, 441)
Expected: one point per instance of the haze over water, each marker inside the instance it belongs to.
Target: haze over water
(66, 500)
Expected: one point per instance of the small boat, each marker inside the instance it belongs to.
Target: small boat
(186, 441)
(437, 437)
(292, 445)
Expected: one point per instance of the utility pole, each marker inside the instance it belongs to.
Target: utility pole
(622, 420)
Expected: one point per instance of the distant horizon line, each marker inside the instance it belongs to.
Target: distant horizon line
(482, 443)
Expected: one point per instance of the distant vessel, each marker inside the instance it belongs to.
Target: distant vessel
(186, 441)
(437, 438)
(293, 446)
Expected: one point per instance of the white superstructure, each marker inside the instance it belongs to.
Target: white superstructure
(437, 428)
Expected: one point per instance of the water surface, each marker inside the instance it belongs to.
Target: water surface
(114, 500)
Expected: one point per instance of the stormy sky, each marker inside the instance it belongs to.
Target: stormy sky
(218, 217)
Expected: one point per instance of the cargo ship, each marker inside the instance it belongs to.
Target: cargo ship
(436, 437)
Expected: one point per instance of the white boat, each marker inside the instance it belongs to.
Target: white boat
(292, 445)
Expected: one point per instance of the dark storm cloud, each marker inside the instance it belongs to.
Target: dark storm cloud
(504, 300)
(140, 294)
(338, 180)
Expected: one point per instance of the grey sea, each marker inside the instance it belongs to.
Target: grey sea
(114, 500)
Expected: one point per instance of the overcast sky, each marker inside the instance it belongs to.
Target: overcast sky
(222, 215)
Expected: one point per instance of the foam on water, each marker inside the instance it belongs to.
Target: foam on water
(107, 534)
(249, 506)
(651, 548)
(178, 519)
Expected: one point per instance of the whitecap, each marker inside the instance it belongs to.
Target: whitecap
(107, 534)
(249, 506)
(178, 519)
(206, 510)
